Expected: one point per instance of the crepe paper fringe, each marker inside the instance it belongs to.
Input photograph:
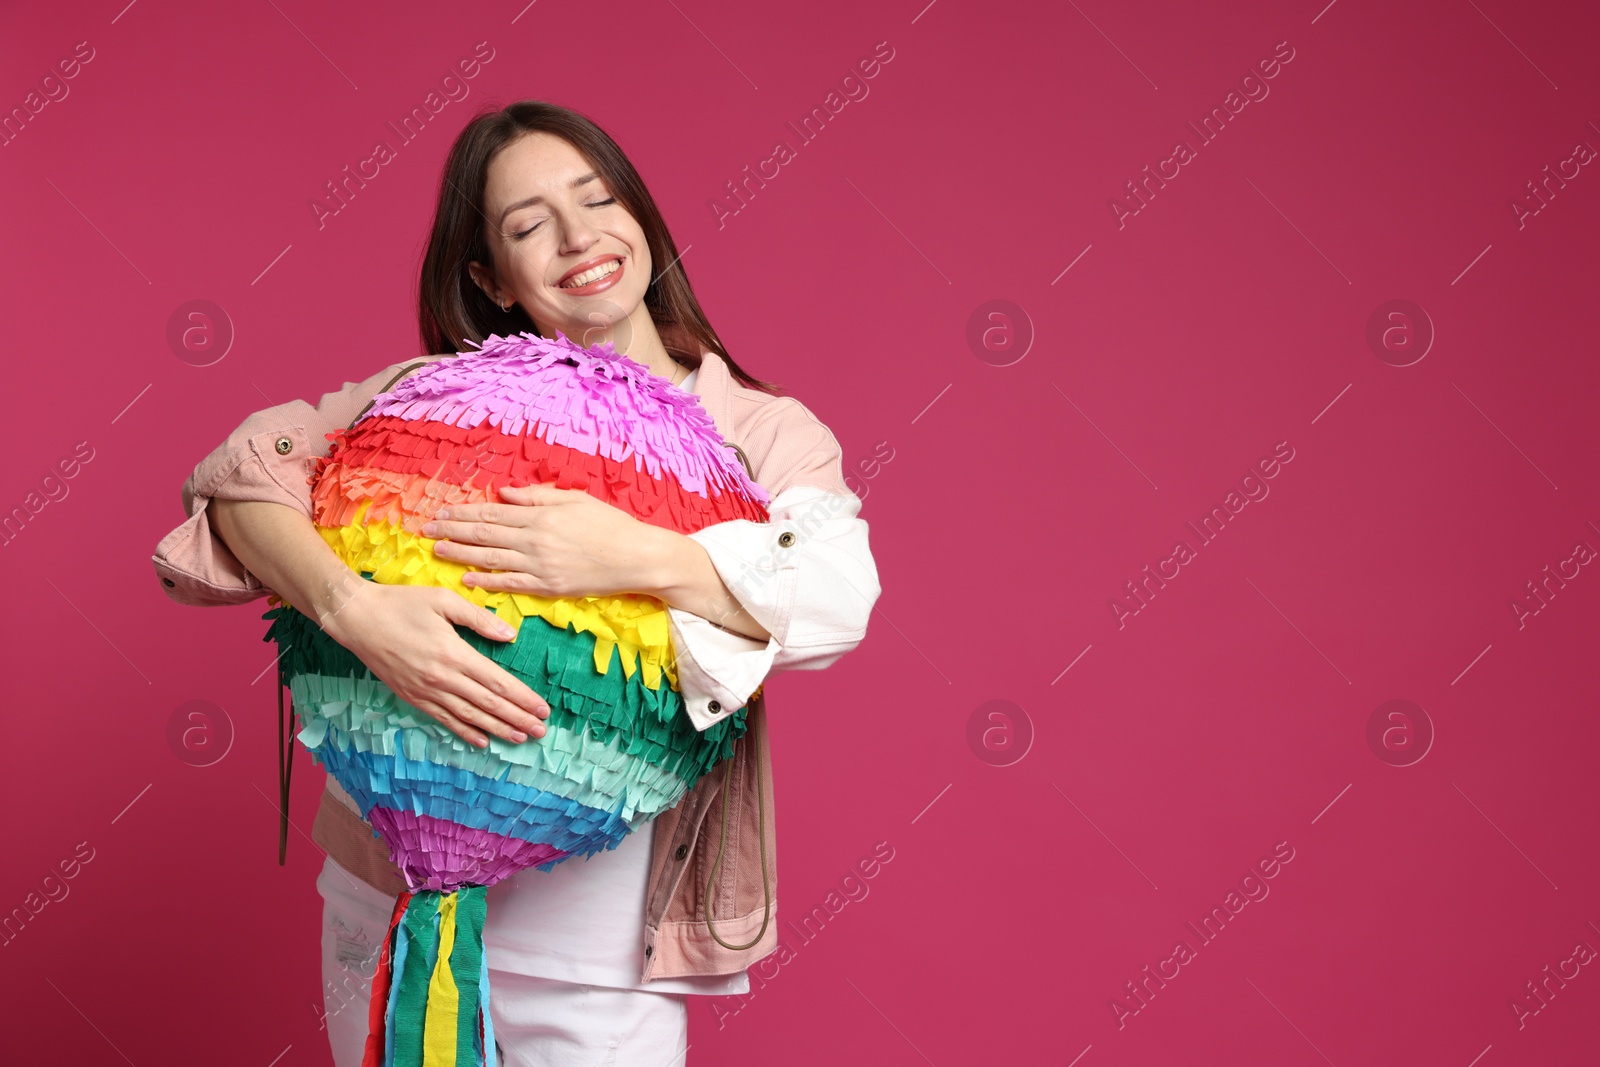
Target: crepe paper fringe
(430, 1007)
(390, 959)
(449, 836)
(410, 469)
(495, 807)
(441, 836)
(403, 951)
(438, 854)
(648, 724)
(590, 399)
(487, 1052)
(444, 855)
(558, 656)
(568, 759)
(634, 623)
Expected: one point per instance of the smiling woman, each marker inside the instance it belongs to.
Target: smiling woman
(530, 270)
(543, 229)
(548, 182)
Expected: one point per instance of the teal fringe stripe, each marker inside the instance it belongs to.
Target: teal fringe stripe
(558, 664)
(466, 964)
(365, 716)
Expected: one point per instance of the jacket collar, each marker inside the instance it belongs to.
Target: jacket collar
(714, 384)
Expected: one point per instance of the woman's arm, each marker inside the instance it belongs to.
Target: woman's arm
(404, 634)
(688, 580)
(270, 456)
(813, 596)
(792, 593)
(729, 588)
(565, 542)
(249, 508)
(807, 575)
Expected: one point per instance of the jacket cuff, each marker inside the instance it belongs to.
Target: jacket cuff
(194, 565)
(277, 465)
(717, 669)
(758, 563)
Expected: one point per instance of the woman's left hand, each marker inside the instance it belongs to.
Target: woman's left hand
(549, 541)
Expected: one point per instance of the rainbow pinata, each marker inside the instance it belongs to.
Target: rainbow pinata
(619, 748)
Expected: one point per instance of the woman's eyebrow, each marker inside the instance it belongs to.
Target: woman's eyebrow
(591, 176)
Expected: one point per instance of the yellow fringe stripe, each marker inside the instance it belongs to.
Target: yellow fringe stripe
(440, 1023)
(635, 624)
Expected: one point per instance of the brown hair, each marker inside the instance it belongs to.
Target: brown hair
(452, 310)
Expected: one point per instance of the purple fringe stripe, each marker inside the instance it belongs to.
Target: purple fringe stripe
(589, 399)
(442, 855)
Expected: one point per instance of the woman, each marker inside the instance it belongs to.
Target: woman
(543, 225)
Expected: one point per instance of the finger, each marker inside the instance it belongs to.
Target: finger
(513, 507)
(486, 557)
(488, 711)
(504, 581)
(482, 530)
(482, 670)
(461, 727)
(538, 493)
(486, 623)
(464, 702)
(456, 677)
(509, 688)
(456, 608)
(444, 718)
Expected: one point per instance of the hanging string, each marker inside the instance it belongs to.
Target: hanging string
(285, 767)
(757, 705)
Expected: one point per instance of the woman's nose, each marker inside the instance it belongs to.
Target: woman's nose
(577, 234)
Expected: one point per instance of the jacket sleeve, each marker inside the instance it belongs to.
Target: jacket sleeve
(814, 595)
(271, 456)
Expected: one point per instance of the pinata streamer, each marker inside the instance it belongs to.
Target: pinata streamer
(619, 748)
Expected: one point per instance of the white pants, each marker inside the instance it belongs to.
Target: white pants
(538, 1022)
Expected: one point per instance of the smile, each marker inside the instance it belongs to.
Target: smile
(589, 277)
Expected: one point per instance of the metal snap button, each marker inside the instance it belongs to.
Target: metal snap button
(647, 949)
(713, 707)
(168, 582)
(283, 445)
(682, 851)
(786, 539)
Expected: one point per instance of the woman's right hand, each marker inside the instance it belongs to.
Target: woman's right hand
(404, 634)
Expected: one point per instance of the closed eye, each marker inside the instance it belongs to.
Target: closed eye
(595, 203)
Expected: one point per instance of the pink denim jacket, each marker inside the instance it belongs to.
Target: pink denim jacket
(807, 576)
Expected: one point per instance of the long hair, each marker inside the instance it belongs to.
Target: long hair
(451, 309)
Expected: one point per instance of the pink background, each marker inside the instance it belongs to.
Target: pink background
(1181, 747)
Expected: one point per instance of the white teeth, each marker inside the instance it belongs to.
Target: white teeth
(592, 275)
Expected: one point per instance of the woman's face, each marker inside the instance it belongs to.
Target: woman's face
(551, 220)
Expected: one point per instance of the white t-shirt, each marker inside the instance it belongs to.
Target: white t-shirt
(583, 921)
